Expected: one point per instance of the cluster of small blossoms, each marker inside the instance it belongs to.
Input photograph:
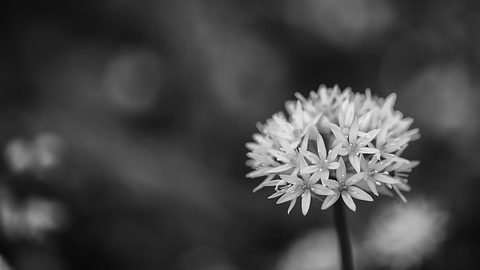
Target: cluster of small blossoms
(333, 144)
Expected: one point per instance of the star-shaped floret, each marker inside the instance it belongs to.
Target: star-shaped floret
(388, 145)
(344, 187)
(353, 143)
(289, 157)
(291, 131)
(301, 187)
(374, 173)
(322, 162)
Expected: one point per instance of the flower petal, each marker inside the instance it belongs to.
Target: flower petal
(297, 116)
(337, 132)
(279, 155)
(381, 137)
(321, 190)
(324, 174)
(333, 184)
(322, 152)
(366, 138)
(399, 194)
(349, 201)
(352, 135)
(290, 196)
(333, 165)
(355, 161)
(373, 133)
(306, 198)
(332, 155)
(276, 194)
(309, 169)
(373, 187)
(330, 200)
(349, 114)
(342, 170)
(387, 107)
(272, 183)
(292, 179)
(313, 158)
(279, 169)
(359, 194)
(355, 178)
(292, 204)
(304, 145)
(386, 179)
(368, 150)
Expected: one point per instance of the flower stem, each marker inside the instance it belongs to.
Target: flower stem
(343, 236)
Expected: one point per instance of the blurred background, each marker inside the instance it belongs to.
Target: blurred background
(124, 123)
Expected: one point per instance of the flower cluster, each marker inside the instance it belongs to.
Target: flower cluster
(333, 144)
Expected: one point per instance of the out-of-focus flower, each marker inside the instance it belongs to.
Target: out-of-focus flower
(291, 152)
(401, 236)
(4, 265)
(344, 23)
(317, 250)
(132, 80)
(36, 156)
(32, 219)
(452, 98)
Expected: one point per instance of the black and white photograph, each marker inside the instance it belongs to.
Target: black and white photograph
(239, 135)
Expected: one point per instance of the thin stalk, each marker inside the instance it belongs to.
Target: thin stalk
(343, 236)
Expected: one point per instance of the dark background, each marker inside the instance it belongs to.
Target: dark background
(151, 103)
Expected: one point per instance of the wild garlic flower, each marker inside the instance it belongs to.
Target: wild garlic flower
(345, 186)
(321, 162)
(333, 144)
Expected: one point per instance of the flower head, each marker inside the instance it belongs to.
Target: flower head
(333, 144)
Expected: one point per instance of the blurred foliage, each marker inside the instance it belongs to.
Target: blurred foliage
(146, 106)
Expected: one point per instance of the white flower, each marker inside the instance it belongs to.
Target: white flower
(294, 187)
(352, 144)
(400, 237)
(344, 187)
(301, 187)
(315, 250)
(293, 153)
(374, 173)
(37, 156)
(322, 162)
